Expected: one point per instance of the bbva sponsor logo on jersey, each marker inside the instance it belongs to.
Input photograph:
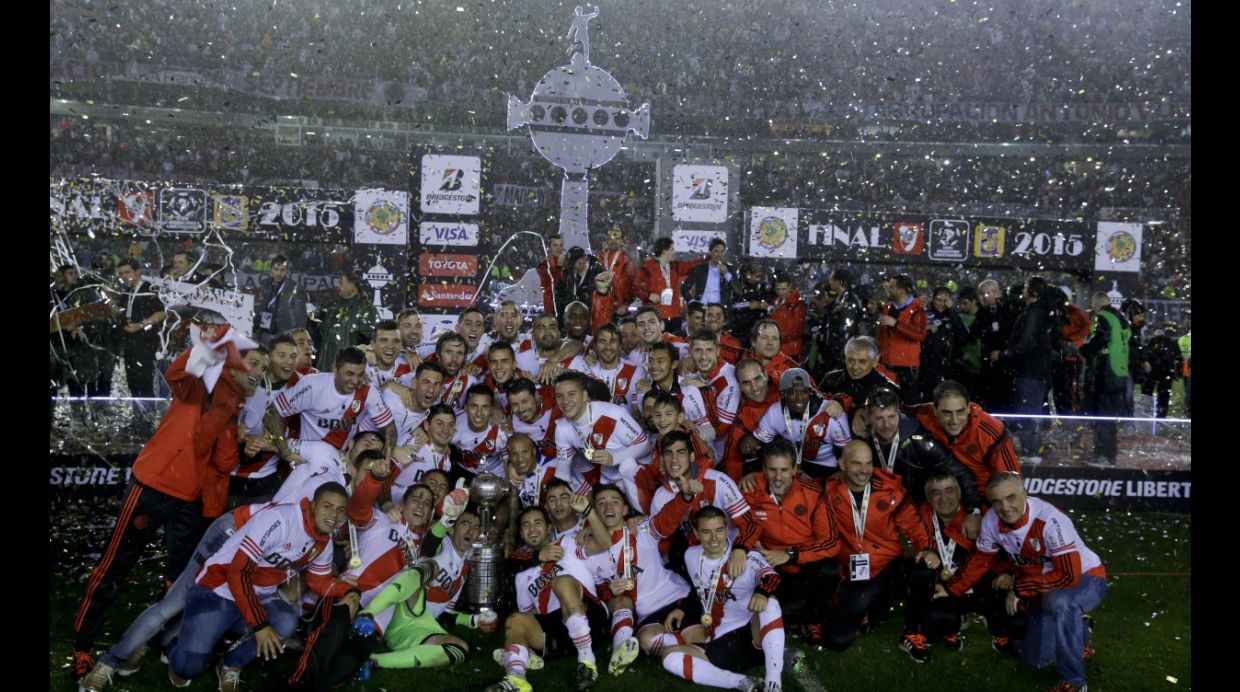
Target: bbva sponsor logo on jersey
(335, 423)
(458, 234)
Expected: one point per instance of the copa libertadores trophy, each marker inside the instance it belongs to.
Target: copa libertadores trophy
(578, 118)
(486, 558)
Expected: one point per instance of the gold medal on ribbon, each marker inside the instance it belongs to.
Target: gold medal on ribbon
(588, 452)
(629, 584)
(945, 574)
(707, 620)
(355, 561)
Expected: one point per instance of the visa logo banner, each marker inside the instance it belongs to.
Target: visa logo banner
(454, 234)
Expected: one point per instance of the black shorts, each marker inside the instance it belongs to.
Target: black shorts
(556, 641)
(658, 616)
(734, 651)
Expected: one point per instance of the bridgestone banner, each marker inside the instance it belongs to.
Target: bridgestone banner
(1119, 489)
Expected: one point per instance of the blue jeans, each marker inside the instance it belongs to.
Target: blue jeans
(154, 618)
(1056, 631)
(209, 617)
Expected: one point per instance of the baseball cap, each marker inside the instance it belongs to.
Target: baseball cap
(794, 377)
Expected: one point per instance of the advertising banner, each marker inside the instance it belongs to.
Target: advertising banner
(381, 217)
(700, 193)
(1119, 247)
(773, 232)
(1118, 489)
(237, 308)
(695, 242)
(451, 184)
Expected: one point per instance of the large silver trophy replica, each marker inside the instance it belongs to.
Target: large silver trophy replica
(486, 557)
(578, 118)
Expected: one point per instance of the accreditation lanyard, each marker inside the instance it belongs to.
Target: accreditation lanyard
(804, 428)
(860, 516)
(709, 589)
(890, 462)
(946, 551)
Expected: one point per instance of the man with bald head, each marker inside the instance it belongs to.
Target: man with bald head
(1052, 573)
(871, 511)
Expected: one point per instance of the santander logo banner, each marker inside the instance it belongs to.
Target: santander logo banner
(448, 265)
(446, 295)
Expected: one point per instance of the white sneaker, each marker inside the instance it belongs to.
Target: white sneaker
(623, 656)
(230, 678)
(133, 664)
(98, 679)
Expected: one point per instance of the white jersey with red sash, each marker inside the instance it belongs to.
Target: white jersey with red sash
(620, 381)
(723, 400)
(404, 371)
(425, 459)
(692, 400)
(379, 377)
(405, 420)
(386, 547)
(481, 451)
(601, 426)
(534, 592)
(717, 491)
(454, 389)
(817, 435)
(326, 414)
(251, 423)
(729, 603)
(277, 543)
(530, 361)
(530, 489)
(542, 430)
(478, 356)
(636, 554)
(452, 569)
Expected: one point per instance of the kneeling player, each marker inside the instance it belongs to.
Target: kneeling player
(733, 624)
(549, 572)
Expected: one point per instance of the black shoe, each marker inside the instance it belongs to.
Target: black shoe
(914, 644)
(587, 675)
(1004, 645)
(953, 642)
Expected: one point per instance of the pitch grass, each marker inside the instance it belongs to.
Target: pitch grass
(1142, 636)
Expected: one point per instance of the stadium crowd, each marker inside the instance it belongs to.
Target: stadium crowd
(700, 465)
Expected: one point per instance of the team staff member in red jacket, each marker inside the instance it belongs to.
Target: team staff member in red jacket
(977, 439)
(871, 509)
(757, 395)
(658, 283)
(166, 488)
(901, 329)
(789, 313)
(798, 536)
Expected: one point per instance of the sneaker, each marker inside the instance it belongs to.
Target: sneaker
(230, 678)
(623, 656)
(587, 675)
(1069, 687)
(83, 663)
(177, 680)
(511, 683)
(953, 642)
(363, 673)
(536, 661)
(1089, 651)
(751, 684)
(914, 644)
(813, 634)
(134, 664)
(1004, 645)
(98, 679)
(794, 660)
(1100, 462)
(774, 686)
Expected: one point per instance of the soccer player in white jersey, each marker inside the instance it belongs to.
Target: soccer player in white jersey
(819, 428)
(650, 329)
(538, 565)
(534, 414)
(1052, 569)
(734, 622)
(720, 378)
(331, 406)
(483, 444)
(602, 435)
(628, 564)
(438, 453)
(472, 327)
(548, 351)
(410, 405)
(450, 352)
(527, 473)
(621, 377)
(557, 500)
(691, 487)
(240, 582)
(385, 548)
(385, 345)
(662, 363)
(422, 596)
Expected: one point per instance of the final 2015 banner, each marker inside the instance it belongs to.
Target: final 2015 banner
(817, 234)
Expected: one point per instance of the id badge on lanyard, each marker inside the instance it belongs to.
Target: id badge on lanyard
(859, 567)
(859, 563)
